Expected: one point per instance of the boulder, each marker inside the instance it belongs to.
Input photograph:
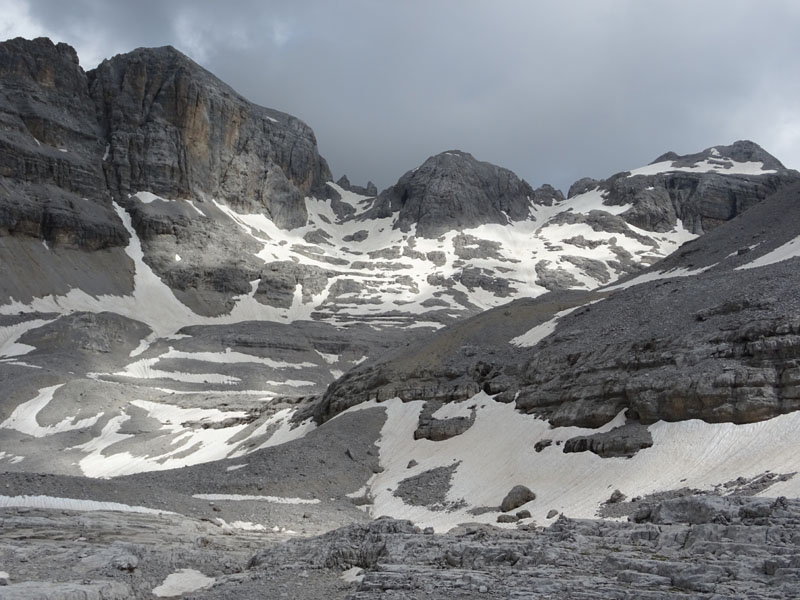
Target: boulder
(516, 497)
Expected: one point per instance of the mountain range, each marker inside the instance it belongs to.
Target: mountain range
(197, 321)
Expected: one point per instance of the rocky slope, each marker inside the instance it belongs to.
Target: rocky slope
(708, 333)
(698, 547)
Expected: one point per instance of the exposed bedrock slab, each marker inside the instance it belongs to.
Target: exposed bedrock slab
(696, 547)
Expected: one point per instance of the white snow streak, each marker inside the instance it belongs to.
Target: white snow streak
(790, 249)
(24, 417)
(242, 498)
(55, 503)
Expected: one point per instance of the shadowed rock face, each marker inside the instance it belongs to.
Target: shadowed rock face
(51, 150)
(176, 130)
(151, 120)
(453, 190)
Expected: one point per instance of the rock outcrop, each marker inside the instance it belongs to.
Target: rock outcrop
(516, 497)
(621, 441)
(701, 191)
(722, 345)
(177, 131)
(453, 190)
(150, 120)
(51, 150)
(702, 547)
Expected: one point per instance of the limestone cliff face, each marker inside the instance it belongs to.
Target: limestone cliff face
(151, 120)
(51, 150)
(177, 131)
(72, 143)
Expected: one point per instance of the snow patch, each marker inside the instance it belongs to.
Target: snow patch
(656, 275)
(353, 575)
(182, 582)
(242, 498)
(55, 503)
(143, 369)
(147, 197)
(290, 382)
(329, 358)
(684, 454)
(24, 417)
(9, 346)
(593, 200)
(241, 525)
(541, 331)
(723, 166)
(790, 249)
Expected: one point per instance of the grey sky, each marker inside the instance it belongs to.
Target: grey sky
(554, 90)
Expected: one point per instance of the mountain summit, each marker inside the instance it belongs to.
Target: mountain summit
(453, 190)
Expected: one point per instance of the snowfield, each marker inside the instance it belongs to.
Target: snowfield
(496, 453)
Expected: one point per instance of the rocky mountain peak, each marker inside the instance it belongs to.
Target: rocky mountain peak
(36, 60)
(742, 151)
(454, 190)
(696, 192)
(176, 130)
(369, 190)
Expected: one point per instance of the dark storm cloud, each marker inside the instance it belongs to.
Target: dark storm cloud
(553, 90)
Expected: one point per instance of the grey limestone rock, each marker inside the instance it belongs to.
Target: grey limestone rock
(593, 268)
(438, 430)
(621, 441)
(582, 186)
(516, 497)
(507, 518)
(453, 190)
(51, 149)
(278, 281)
(369, 190)
(705, 557)
(700, 200)
(429, 489)
(176, 130)
(554, 278)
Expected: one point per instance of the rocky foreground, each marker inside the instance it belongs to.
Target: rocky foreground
(691, 547)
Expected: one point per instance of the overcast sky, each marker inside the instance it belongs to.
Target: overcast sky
(554, 90)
